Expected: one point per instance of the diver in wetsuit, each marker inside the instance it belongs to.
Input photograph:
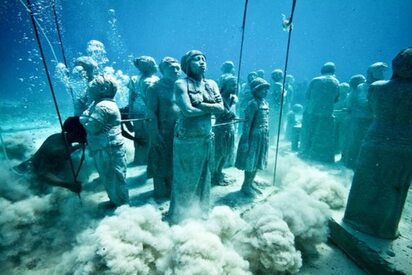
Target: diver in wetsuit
(51, 160)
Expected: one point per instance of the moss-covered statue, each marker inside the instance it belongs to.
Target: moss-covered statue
(138, 105)
(384, 171)
(162, 114)
(104, 137)
(252, 152)
(225, 133)
(317, 140)
(360, 116)
(198, 98)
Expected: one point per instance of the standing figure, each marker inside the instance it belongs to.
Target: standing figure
(198, 98)
(245, 95)
(354, 82)
(138, 105)
(340, 115)
(317, 124)
(294, 126)
(227, 69)
(274, 99)
(162, 113)
(225, 134)
(104, 137)
(252, 152)
(360, 113)
(384, 171)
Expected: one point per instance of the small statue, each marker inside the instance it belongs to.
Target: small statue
(252, 152)
(138, 105)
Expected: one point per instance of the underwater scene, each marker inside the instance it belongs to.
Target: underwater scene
(205, 137)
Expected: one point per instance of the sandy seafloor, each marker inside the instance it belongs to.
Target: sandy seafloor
(52, 226)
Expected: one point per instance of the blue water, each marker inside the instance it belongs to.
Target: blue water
(353, 34)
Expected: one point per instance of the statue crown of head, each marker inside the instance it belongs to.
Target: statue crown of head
(277, 75)
(145, 64)
(187, 58)
(328, 68)
(375, 71)
(258, 83)
(228, 67)
(402, 65)
(355, 80)
(105, 86)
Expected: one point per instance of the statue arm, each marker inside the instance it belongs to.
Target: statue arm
(183, 101)
(153, 110)
(215, 107)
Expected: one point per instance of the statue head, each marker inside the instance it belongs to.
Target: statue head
(355, 80)
(259, 84)
(277, 75)
(260, 73)
(328, 68)
(146, 65)
(344, 87)
(290, 79)
(402, 65)
(228, 85)
(228, 67)
(168, 62)
(187, 58)
(102, 86)
(376, 72)
(297, 109)
(251, 76)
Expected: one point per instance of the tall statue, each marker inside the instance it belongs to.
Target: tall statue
(384, 171)
(225, 132)
(138, 105)
(198, 99)
(317, 141)
(360, 113)
(162, 114)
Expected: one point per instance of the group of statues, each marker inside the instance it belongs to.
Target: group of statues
(185, 130)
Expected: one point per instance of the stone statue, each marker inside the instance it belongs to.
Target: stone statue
(225, 134)
(274, 99)
(198, 98)
(227, 69)
(104, 138)
(360, 113)
(138, 105)
(162, 114)
(317, 140)
(340, 114)
(384, 171)
(252, 152)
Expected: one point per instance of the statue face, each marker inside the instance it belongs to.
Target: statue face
(198, 65)
(172, 71)
(261, 92)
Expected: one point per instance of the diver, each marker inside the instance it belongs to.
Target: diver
(51, 160)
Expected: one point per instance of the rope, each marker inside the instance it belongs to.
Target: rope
(43, 57)
(59, 35)
(283, 87)
(241, 46)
